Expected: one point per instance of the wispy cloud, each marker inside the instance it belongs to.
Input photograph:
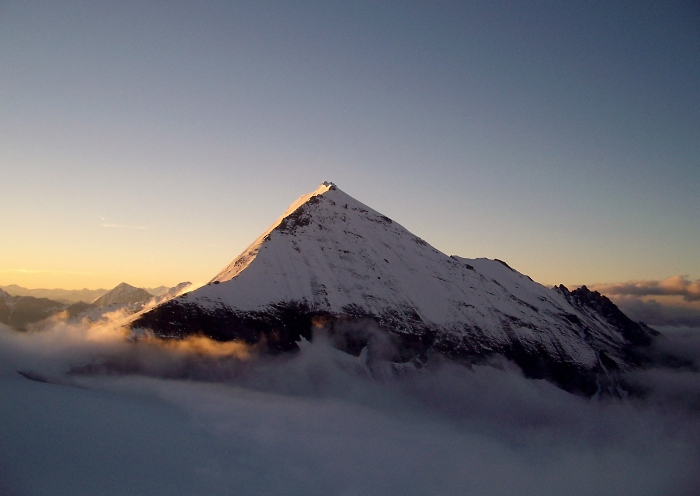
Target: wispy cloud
(112, 225)
(671, 286)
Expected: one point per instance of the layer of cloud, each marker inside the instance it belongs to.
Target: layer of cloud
(193, 417)
(654, 313)
(671, 286)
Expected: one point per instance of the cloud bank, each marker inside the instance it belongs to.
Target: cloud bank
(654, 313)
(671, 286)
(125, 417)
(677, 301)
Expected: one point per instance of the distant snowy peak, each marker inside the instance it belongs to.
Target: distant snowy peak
(126, 299)
(330, 261)
(171, 293)
(122, 294)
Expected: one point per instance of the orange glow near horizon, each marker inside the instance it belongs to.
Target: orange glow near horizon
(77, 280)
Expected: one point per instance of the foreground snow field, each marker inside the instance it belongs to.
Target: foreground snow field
(186, 421)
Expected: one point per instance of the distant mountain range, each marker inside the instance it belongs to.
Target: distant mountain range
(60, 295)
(334, 266)
(70, 295)
(22, 310)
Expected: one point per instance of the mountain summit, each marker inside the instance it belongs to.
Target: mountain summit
(333, 265)
(122, 294)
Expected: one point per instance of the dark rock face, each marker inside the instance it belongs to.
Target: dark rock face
(299, 218)
(637, 334)
(279, 329)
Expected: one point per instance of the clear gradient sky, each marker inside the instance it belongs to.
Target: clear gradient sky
(150, 142)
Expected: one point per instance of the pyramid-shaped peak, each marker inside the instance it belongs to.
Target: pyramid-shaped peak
(122, 294)
(311, 217)
(122, 286)
(333, 262)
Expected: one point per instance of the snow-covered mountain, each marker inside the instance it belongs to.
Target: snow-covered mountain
(166, 294)
(331, 264)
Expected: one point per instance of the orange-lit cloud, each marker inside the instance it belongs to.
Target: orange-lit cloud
(110, 225)
(655, 313)
(85, 347)
(671, 286)
(203, 346)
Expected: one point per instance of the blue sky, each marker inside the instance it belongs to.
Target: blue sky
(151, 142)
